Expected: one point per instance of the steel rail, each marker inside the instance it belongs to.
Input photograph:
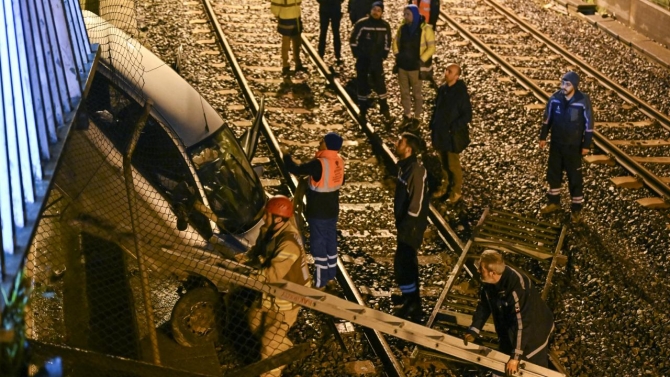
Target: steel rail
(375, 338)
(446, 232)
(652, 181)
(248, 94)
(624, 93)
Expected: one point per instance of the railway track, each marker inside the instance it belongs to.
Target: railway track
(292, 108)
(631, 126)
(289, 110)
(358, 255)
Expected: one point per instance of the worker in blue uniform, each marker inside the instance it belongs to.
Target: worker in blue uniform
(569, 116)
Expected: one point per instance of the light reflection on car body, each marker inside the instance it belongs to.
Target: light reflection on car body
(184, 144)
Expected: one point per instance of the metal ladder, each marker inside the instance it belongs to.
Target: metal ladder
(223, 272)
(509, 233)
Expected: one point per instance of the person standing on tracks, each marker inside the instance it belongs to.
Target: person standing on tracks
(330, 12)
(413, 47)
(569, 116)
(522, 320)
(410, 209)
(281, 255)
(429, 9)
(326, 176)
(289, 26)
(370, 44)
(449, 130)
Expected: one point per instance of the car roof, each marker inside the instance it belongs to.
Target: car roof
(175, 102)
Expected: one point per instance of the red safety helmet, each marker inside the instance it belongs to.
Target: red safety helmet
(280, 205)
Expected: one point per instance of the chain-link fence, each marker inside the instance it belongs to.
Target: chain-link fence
(133, 260)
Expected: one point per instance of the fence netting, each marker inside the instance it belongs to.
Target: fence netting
(128, 261)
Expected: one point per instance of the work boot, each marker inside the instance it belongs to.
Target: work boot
(440, 192)
(411, 309)
(286, 71)
(455, 198)
(413, 125)
(550, 208)
(576, 217)
(388, 119)
(406, 121)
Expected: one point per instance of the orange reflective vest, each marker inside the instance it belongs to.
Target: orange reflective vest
(332, 172)
(424, 8)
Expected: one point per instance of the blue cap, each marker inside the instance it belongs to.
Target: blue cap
(333, 141)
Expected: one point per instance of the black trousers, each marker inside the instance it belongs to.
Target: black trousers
(375, 70)
(568, 158)
(406, 267)
(539, 355)
(330, 15)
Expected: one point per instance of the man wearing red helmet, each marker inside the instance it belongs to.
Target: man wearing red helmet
(282, 257)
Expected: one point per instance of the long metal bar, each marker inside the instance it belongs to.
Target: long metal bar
(362, 315)
(554, 261)
(379, 345)
(135, 223)
(503, 227)
(652, 181)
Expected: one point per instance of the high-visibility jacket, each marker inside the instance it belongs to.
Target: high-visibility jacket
(285, 9)
(426, 46)
(285, 261)
(429, 9)
(332, 172)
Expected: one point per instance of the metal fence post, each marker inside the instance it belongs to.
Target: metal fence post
(130, 190)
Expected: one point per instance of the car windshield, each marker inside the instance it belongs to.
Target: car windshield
(233, 189)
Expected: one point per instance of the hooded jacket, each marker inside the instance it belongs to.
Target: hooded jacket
(429, 9)
(523, 321)
(410, 205)
(451, 115)
(414, 50)
(570, 122)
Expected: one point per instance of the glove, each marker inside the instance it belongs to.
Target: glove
(468, 337)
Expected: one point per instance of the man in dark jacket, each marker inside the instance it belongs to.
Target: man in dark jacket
(330, 12)
(523, 321)
(326, 176)
(570, 117)
(410, 208)
(449, 130)
(370, 44)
